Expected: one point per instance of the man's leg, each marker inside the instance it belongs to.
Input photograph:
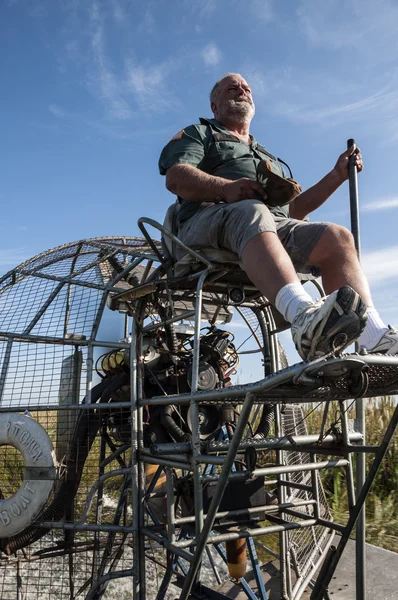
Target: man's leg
(268, 265)
(248, 229)
(317, 328)
(336, 255)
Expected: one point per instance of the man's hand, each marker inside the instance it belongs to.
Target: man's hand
(243, 189)
(341, 166)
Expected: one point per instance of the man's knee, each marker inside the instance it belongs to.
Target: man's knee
(339, 237)
(336, 238)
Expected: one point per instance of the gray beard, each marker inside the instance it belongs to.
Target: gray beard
(239, 111)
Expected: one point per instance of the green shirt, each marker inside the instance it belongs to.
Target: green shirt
(210, 147)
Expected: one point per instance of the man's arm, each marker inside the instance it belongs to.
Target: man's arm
(316, 195)
(195, 185)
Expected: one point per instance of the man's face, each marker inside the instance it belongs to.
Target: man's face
(234, 100)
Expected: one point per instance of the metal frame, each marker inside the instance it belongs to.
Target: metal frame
(187, 539)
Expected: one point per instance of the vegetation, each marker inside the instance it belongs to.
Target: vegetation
(382, 503)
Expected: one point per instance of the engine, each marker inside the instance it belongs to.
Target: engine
(167, 358)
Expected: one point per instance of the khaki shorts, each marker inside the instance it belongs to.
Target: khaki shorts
(232, 226)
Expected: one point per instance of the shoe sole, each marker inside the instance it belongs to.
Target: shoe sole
(345, 323)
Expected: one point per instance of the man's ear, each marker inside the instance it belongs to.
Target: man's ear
(213, 107)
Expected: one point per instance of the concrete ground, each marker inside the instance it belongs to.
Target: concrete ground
(381, 576)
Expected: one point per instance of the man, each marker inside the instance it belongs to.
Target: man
(212, 168)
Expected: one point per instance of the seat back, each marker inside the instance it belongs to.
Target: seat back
(182, 262)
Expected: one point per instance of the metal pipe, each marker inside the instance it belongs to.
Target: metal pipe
(5, 365)
(242, 475)
(348, 470)
(326, 574)
(172, 547)
(187, 315)
(236, 535)
(47, 339)
(174, 464)
(194, 408)
(89, 379)
(359, 402)
(134, 462)
(271, 443)
(141, 469)
(170, 506)
(218, 494)
(86, 526)
(249, 511)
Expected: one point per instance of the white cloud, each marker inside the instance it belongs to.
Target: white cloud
(104, 81)
(381, 265)
(362, 25)
(317, 112)
(262, 10)
(12, 257)
(148, 24)
(56, 111)
(380, 204)
(117, 11)
(211, 55)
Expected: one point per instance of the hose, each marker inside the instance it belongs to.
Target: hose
(168, 422)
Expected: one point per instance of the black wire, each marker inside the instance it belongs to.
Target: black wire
(248, 338)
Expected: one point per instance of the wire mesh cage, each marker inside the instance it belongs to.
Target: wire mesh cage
(66, 471)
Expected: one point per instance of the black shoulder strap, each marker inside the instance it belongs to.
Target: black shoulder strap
(260, 147)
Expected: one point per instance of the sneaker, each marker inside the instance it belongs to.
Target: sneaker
(329, 325)
(388, 344)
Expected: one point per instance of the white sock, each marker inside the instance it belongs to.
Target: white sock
(290, 299)
(374, 330)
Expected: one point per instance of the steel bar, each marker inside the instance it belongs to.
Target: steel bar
(218, 494)
(43, 308)
(47, 339)
(360, 538)
(284, 558)
(5, 365)
(296, 485)
(256, 568)
(271, 443)
(70, 280)
(245, 533)
(327, 573)
(59, 407)
(315, 487)
(134, 463)
(243, 475)
(242, 512)
(198, 257)
(194, 407)
(187, 315)
(89, 377)
(162, 541)
(141, 467)
(348, 470)
(86, 526)
(264, 386)
(178, 457)
(170, 506)
(213, 565)
(174, 464)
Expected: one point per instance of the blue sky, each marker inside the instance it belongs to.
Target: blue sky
(92, 91)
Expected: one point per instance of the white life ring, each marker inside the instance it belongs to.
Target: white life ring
(29, 437)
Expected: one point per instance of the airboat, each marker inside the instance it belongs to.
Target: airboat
(134, 465)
